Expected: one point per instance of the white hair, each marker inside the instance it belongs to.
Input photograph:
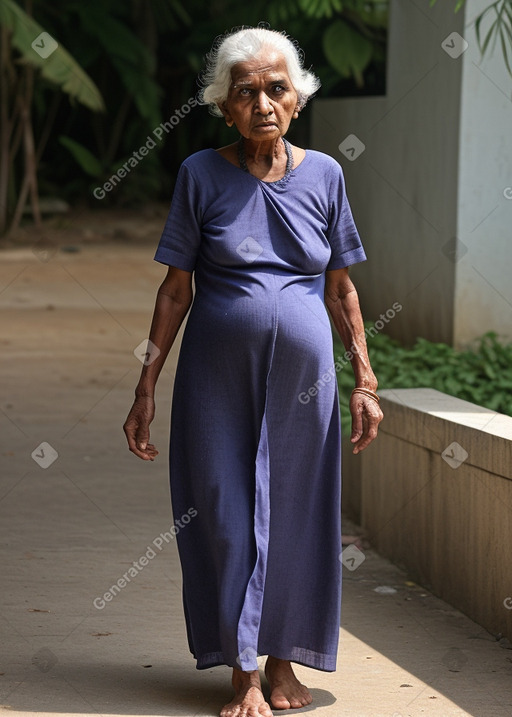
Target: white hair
(242, 45)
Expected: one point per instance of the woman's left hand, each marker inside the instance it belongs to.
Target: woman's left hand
(366, 416)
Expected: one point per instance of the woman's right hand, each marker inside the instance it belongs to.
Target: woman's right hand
(136, 428)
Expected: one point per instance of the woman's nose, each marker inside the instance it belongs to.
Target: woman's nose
(263, 104)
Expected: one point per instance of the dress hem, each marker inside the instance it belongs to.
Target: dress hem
(299, 655)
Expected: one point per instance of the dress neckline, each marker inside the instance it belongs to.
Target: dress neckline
(283, 181)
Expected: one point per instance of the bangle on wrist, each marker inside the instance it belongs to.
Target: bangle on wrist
(366, 392)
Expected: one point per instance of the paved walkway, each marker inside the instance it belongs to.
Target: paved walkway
(69, 325)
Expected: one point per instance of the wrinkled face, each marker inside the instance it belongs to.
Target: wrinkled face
(261, 100)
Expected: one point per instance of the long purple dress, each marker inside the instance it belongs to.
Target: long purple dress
(255, 430)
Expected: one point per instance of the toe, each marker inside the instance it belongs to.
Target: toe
(280, 702)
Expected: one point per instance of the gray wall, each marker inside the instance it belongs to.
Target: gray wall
(436, 495)
(437, 150)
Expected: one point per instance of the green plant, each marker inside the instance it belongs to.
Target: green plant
(19, 61)
(143, 58)
(352, 36)
(481, 374)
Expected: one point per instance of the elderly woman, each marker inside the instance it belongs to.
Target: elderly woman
(267, 231)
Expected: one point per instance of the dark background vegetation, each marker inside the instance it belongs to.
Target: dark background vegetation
(144, 58)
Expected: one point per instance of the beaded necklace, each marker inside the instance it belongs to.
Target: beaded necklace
(243, 162)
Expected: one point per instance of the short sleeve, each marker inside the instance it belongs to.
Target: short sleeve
(181, 236)
(342, 233)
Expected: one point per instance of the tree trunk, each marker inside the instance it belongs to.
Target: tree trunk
(29, 184)
(5, 126)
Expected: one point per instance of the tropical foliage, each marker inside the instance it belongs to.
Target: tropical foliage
(71, 118)
(481, 374)
(127, 66)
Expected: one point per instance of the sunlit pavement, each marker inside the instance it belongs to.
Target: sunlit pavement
(79, 515)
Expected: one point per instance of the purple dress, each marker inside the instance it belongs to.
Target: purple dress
(255, 451)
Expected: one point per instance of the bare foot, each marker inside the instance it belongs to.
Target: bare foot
(286, 692)
(248, 700)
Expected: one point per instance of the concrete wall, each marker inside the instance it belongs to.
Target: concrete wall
(433, 173)
(437, 500)
(483, 296)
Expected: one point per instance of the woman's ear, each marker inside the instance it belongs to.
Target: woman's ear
(222, 107)
(296, 112)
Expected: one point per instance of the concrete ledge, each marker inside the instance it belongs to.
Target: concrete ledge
(433, 420)
(437, 499)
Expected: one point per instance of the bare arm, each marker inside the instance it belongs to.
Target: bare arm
(343, 304)
(172, 304)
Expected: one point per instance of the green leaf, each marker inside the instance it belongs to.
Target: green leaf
(320, 8)
(59, 68)
(375, 14)
(87, 161)
(131, 59)
(482, 375)
(346, 49)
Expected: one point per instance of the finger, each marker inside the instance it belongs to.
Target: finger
(151, 451)
(137, 444)
(142, 436)
(371, 423)
(358, 443)
(129, 430)
(147, 455)
(357, 423)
